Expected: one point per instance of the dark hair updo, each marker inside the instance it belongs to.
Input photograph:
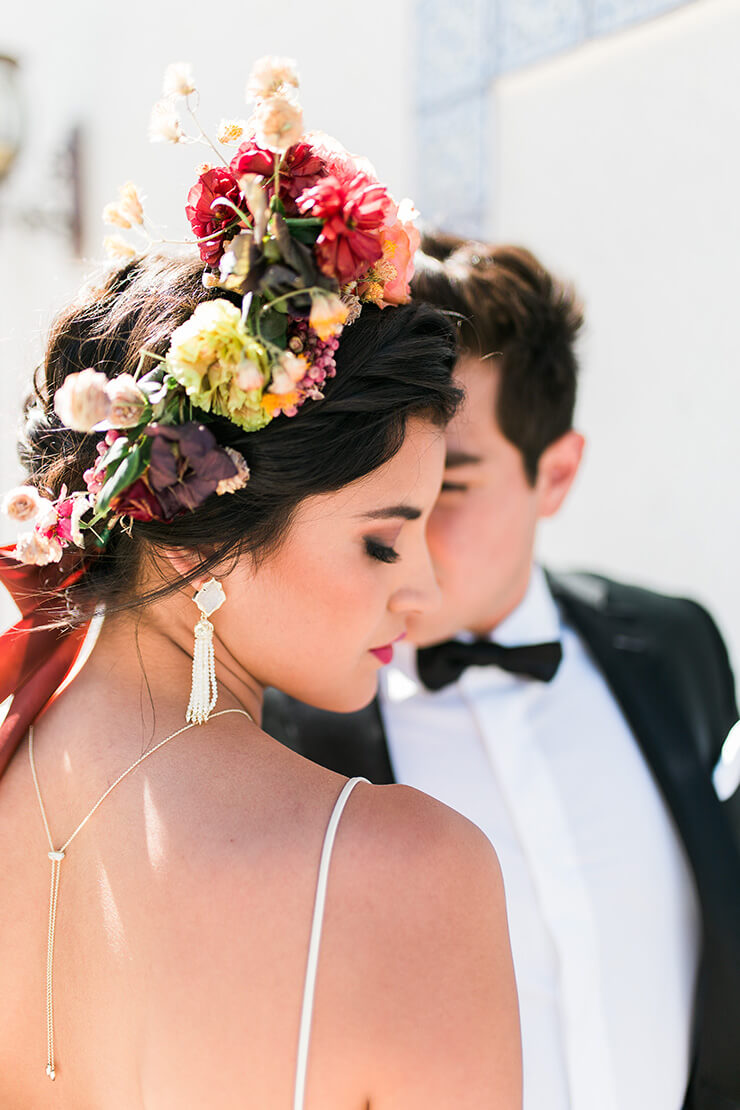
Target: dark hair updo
(392, 364)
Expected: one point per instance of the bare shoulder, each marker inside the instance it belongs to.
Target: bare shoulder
(434, 875)
(416, 927)
(414, 846)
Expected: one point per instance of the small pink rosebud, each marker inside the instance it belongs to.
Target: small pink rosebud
(127, 402)
(24, 503)
(82, 402)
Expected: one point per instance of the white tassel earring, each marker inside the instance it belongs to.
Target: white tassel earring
(204, 692)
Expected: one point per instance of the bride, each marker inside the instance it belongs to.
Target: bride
(228, 924)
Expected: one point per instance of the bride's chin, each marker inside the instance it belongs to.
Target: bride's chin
(350, 698)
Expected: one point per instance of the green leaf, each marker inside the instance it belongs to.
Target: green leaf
(305, 231)
(131, 467)
(274, 326)
(115, 453)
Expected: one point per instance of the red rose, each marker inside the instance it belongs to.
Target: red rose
(353, 212)
(140, 502)
(251, 158)
(206, 220)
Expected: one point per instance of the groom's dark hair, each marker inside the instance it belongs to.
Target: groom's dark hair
(510, 309)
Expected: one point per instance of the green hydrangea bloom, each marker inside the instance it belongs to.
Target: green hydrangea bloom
(223, 368)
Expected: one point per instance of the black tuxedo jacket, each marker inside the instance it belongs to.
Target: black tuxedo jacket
(667, 667)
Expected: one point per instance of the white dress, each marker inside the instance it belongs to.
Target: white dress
(304, 1035)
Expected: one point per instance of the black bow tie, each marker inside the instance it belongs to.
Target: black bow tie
(444, 663)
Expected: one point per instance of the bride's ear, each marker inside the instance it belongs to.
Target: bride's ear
(183, 563)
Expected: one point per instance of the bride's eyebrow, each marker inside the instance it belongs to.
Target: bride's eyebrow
(406, 512)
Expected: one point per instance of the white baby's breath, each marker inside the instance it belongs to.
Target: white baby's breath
(115, 246)
(271, 75)
(178, 80)
(164, 126)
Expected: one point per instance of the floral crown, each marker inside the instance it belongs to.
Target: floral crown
(299, 228)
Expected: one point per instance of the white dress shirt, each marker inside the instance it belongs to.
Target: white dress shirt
(602, 908)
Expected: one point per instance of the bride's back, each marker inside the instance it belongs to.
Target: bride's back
(184, 916)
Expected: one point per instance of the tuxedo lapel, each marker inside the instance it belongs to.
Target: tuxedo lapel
(637, 670)
(350, 743)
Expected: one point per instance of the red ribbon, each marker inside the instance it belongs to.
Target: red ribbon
(34, 659)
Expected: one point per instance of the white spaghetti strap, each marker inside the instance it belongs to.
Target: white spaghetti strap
(304, 1034)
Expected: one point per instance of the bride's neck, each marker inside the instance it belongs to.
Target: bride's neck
(146, 658)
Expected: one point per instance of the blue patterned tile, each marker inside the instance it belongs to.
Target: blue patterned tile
(611, 15)
(461, 47)
(452, 176)
(530, 29)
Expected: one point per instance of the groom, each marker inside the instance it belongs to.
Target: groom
(576, 720)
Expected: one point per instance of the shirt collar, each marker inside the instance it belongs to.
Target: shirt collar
(535, 619)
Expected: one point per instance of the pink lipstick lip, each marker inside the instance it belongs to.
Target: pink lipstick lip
(385, 653)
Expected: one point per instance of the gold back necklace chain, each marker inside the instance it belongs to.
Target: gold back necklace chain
(56, 855)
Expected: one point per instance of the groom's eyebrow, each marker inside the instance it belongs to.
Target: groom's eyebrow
(406, 512)
(461, 458)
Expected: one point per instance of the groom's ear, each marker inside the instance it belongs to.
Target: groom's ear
(557, 469)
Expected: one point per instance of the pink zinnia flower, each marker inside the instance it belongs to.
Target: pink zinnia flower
(353, 212)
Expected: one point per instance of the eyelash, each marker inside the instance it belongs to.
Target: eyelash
(454, 487)
(380, 551)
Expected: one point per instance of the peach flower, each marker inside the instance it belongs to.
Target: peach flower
(400, 240)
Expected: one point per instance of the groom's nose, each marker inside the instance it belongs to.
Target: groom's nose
(420, 594)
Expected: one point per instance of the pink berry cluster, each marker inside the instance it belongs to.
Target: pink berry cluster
(319, 353)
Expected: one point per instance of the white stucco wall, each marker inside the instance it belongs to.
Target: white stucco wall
(619, 164)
